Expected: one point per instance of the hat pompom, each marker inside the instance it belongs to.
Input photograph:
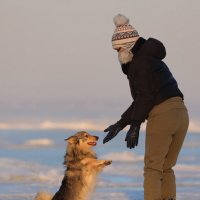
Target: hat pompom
(120, 20)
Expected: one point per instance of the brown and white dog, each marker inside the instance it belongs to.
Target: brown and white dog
(82, 168)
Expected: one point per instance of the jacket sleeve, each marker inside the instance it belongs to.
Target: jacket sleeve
(127, 114)
(140, 81)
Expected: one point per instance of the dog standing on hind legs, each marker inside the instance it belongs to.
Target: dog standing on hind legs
(82, 168)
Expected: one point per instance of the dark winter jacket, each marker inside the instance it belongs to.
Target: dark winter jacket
(150, 80)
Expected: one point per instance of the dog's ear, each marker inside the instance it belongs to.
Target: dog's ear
(72, 139)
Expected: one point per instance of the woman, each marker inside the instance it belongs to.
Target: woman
(157, 99)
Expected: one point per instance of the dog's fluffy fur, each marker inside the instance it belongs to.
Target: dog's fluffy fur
(82, 168)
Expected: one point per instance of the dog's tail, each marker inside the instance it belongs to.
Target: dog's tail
(43, 196)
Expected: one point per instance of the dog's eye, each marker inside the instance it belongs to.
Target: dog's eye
(86, 136)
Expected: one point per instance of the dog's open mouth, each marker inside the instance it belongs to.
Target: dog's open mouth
(92, 143)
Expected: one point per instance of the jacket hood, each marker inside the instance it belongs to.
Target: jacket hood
(151, 47)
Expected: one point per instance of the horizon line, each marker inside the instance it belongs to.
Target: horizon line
(194, 126)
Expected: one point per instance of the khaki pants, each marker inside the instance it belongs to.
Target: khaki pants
(166, 129)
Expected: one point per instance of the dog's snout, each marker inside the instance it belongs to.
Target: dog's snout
(96, 137)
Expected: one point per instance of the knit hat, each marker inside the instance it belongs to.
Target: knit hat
(124, 32)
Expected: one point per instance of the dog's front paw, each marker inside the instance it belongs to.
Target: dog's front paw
(107, 162)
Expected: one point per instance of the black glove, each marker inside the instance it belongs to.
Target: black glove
(132, 136)
(113, 130)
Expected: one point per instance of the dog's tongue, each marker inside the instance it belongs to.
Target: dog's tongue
(92, 143)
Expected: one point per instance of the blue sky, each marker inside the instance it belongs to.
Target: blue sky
(57, 62)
